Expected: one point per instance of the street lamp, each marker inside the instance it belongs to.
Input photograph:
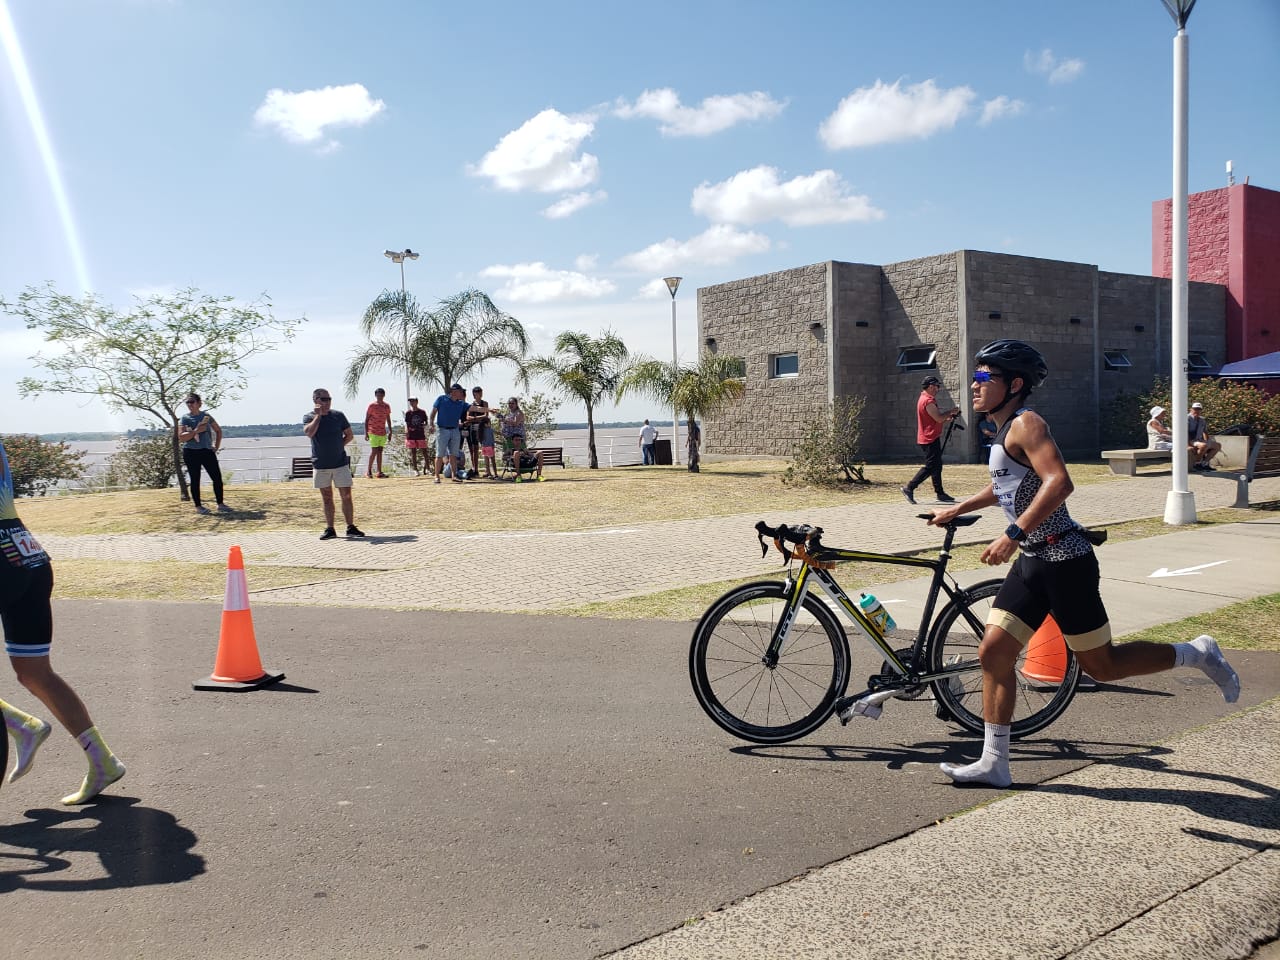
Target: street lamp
(673, 284)
(400, 256)
(1180, 504)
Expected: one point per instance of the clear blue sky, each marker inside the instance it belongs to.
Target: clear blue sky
(564, 157)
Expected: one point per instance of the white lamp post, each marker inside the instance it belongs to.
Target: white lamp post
(673, 284)
(1180, 505)
(400, 256)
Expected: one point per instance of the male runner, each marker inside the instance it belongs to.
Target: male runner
(26, 582)
(1057, 571)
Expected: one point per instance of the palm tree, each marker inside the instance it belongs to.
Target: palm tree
(697, 390)
(584, 368)
(458, 338)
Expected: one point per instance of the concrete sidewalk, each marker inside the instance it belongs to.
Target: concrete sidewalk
(1175, 856)
(556, 570)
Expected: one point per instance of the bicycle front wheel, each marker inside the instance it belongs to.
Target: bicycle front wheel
(736, 686)
(954, 640)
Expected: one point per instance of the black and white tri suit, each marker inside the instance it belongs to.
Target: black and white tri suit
(1056, 570)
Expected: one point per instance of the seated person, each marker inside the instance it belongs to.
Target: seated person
(1201, 448)
(1158, 435)
(524, 460)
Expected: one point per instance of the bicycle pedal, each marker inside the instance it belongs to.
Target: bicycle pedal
(869, 707)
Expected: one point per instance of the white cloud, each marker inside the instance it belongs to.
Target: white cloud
(721, 244)
(568, 206)
(585, 261)
(302, 117)
(543, 155)
(1047, 65)
(999, 108)
(756, 195)
(655, 289)
(885, 113)
(711, 116)
(537, 283)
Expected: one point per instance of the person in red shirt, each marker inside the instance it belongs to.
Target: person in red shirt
(929, 423)
(377, 430)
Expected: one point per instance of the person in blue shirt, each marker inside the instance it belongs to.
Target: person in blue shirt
(447, 414)
(26, 583)
(201, 439)
(330, 432)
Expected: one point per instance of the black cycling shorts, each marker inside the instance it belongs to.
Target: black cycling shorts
(1066, 588)
(25, 610)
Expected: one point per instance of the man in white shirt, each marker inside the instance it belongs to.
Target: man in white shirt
(649, 444)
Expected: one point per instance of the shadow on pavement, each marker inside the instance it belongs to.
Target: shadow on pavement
(137, 846)
(1262, 810)
(959, 747)
(391, 538)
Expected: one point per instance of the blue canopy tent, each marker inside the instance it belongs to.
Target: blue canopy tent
(1265, 367)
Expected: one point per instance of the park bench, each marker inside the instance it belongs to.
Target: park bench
(1125, 462)
(551, 455)
(1264, 460)
(301, 469)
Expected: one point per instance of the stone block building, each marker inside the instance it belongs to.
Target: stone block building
(814, 333)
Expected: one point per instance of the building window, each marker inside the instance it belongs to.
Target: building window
(1115, 360)
(784, 365)
(918, 358)
(1197, 362)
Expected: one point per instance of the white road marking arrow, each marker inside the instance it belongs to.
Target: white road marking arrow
(1185, 571)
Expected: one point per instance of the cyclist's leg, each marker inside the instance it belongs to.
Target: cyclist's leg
(1017, 606)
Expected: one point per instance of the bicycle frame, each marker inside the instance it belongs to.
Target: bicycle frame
(909, 672)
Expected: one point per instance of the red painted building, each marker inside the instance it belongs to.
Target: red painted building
(1233, 238)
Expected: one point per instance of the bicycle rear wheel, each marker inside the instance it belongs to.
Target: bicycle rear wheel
(955, 638)
(742, 693)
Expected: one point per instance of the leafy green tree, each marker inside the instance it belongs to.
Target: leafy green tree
(142, 461)
(37, 465)
(698, 391)
(147, 360)
(1227, 403)
(457, 339)
(587, 369)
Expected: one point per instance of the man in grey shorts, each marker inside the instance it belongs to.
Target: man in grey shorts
(330, 432)
(447, 414)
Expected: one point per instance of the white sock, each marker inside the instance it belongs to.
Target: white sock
(1203, 653)
(993, 766)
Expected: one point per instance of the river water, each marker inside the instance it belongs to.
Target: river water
(255, 459)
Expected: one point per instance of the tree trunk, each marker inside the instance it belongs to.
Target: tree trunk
(179, 466)
(591, 439)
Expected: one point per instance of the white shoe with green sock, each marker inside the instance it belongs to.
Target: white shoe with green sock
(28, 733)
(105, 768)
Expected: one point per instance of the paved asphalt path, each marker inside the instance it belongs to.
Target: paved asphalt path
(432, 784)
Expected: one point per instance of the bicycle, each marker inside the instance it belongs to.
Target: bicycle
(769, 661)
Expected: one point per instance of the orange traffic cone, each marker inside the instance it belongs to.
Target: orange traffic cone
(1046, 660)
(237, 666)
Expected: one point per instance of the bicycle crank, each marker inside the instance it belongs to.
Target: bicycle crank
(888, 677)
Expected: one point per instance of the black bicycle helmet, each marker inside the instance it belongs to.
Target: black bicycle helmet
(1015, 358)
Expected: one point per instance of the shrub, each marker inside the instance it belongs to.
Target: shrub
(1226, 404)
(36, 465)
(827, 455)
(142, 461)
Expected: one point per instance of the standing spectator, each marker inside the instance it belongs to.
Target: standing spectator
(694, 442)
(1158, 435)
(986, 435)
(929, 421)
(415, 436)
(1199, 444)
(649, 444)
(447, 413)
(201, 439)
(476, 424)
(377, 430)
(330, 432)
(26, 582)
